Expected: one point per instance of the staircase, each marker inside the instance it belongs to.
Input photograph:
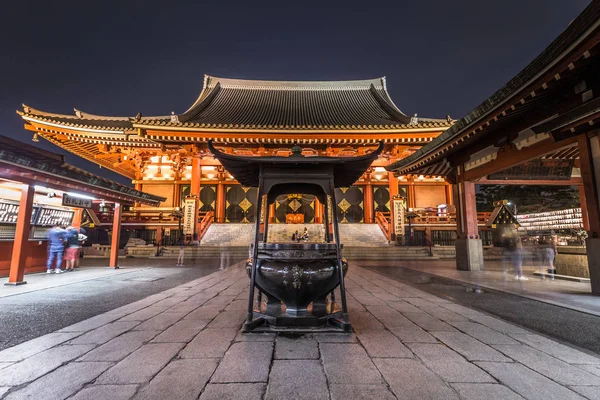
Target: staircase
(236, 253)
(229, 235)
(386, 253)
(282, 233)
(362, 235)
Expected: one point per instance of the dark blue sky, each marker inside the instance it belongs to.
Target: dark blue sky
(125, 57)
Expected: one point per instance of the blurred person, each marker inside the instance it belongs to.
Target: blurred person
(548, 248)
(516, 256)
(71, 248)
(225, 258)
(56, 248)
(305, 234)
(181, 254)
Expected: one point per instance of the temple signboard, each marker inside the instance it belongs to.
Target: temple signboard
(398, 208)
(189, 211)
(73, 201)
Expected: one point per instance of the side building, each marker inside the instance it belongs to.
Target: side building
(168, 155)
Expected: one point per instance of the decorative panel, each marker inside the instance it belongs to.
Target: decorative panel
(208, 198)
(240, 203)
(184, 191)
(429, 196)
(403, 192)
(295, 204)
(381, 199)
(350, 204)
(163, 191)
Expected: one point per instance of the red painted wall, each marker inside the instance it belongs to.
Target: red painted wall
(36, 257)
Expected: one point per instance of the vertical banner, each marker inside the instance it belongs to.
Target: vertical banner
(398, 216)
(189, 216)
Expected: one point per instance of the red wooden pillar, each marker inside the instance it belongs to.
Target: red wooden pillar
(318, 212)
(449, 195)
(220, 206)
(195, 188)
(19, 254)
(469, 248)
(77, 218)
(368, 204)
(411, 193)
(589, 155)
(116, 235)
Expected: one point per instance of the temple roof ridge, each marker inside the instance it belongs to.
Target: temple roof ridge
(359, 84)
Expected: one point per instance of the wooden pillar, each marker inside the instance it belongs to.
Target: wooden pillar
(469, 248)
(220, 206)
(368, 203)
(392, 184)
(116, 235)
(195, 189)
(589, 155)
(272, 213)
(159, 235)
(584, 214)
(21, 243)
(411, 193)
(449, 195)
(318, 211)
(77, 218)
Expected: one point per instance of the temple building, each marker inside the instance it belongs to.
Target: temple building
(168, 155)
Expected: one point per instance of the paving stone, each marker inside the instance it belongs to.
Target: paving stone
(369, 300)
(497, 324)
(127, 309)
(594, 369)
(228, 319)
(419, 301)
(365, 322)
(238, 305)
(34, 346)
(404, 307)
(386, 296)
(590, 392)
(429, 322)
(409, 379)
(443, 313)
(335, 337)
(297, 379)
(203, 312)
(245, 362)
(120, 347)
(91, 323)
(483, 333)
(210, 343)
(183, 307)
(555, 369)
(143, 314)
(526, 382)
(200, 298)
(169, 302)
(6, 364)
(412, 333)
(220, 301)
(348, 363)
(141, 365)
(449, 365)
(112, 392)
(182, 332)
(472, 349)
(485, 391)
(296, 348)
(558, 350)
(360, 392)
(384, 344)
(40, 364)
(160, 322)
(255, 337)
(180, 379)
(4, 390)
(233, 391)
(104, 333)
(71, 376)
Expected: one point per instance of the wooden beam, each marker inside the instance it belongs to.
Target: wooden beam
(21, 242)
(571, 182)
(510, 158)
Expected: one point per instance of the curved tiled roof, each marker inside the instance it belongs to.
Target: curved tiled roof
(245, 105)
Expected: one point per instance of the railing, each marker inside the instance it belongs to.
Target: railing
(384, 224)
(205, 224)
(433, 217)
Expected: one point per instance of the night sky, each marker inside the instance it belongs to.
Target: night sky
(125, 57)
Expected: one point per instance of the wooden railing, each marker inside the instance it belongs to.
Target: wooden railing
(205, 224)
(384, 224)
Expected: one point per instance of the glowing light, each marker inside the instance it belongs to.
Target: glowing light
(81, 196)
(210, 176)
(421, 177)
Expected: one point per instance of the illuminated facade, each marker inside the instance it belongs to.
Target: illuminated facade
(168, 155)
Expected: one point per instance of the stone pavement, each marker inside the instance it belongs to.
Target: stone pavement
(185, 343)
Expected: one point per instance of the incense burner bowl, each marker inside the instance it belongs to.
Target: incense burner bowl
(297, 274)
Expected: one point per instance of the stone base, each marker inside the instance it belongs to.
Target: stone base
(593, 256)
(469, 254)
(15, 283)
